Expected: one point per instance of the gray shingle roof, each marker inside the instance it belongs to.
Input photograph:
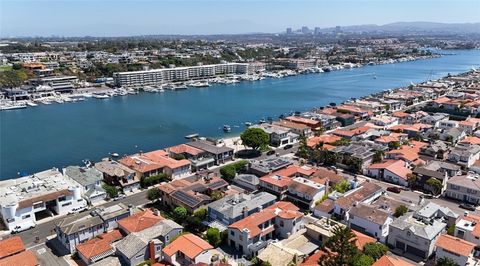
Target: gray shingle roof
(83, 175)
(418, 227)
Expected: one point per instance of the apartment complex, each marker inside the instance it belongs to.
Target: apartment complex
(156, 77)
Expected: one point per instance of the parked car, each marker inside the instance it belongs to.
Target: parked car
(77, 210)
(467, 206)
(394, 189)
(270, 152)
(119, 197)
(23, 227)
(288, 146)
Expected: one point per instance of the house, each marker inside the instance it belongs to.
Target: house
(192, 192)
(199, 159)
(99, 247)
(394, 171)
(89, 180)
(233, 208)
(305, 192)
(173, 168)
(357, 155)
(386, 260)
(468, 228)
(277, 183)
(279, 136)
(248, 182)
(190, 249)
(148, 242)
(324, 208)
(45, 193)
(117, 174)
(139, 221)
(313, 142)
(384, 121)
(366, 193)
(295, 127)
(253, 233)
(370, 220)
(77, 228)
(430, 210)
(415, 236)
(436, 150)
(143, 166)
(220, 154)
(264, 167)
(312, 123)
(434, 119)
(456, 249)
(278, 254)
(452, 135)
(408, 153)
(13, 252)
(439, 170)
(464, 188)
(464, 155)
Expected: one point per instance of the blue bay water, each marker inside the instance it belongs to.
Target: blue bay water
(59, 135)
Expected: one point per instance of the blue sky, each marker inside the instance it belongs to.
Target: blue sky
(123, 18)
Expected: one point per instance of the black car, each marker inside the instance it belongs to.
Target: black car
(394, 189)
(288, 146)
(467, 206)
(271, 152)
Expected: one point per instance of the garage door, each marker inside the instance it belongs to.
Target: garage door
(400, 245)
(416, 251)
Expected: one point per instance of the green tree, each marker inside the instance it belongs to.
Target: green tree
(445, 262)
(154, 179)
(178, 157)
(435, 185)
(341, 142)
(411, 179)
(201, 213)
(254, 138)
(375, 250)
(342, 187)
(394, 145)
(229, 172)
(340, 249)
(216, 195)
(153, 194)
(213, 236)
(303, 148)
(400, 210)
(451, 230)
(378, 157)
(363, 260)
(112, 191)
(180, 214)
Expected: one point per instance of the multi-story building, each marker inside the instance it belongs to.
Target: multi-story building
(157, 77)
(44, 192)
(464, 188)
(90, 181)
(456, 249)
(253, 233)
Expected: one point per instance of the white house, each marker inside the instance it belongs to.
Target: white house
(370, 220)
(456, 249)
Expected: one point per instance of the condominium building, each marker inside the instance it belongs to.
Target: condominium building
(48, 192)
(157, 77)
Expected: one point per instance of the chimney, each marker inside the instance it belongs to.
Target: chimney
(157, 212)
(151, 250)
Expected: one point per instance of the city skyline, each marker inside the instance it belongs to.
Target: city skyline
(128, 18)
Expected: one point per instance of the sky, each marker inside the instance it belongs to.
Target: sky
(148, 17)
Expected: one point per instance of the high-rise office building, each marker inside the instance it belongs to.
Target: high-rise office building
(317, 30)
(305, 30)
(289, 30)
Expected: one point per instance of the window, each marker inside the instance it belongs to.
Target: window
(158, 248)
(66, 204)
(232, 233)
(26, 216)
(38, 205)
(139, 256)
(62, 198)
(471, 191)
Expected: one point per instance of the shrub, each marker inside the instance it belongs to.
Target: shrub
(112, 191)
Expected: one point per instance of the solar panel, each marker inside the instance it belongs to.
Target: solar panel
(217, 184)
(185, 198)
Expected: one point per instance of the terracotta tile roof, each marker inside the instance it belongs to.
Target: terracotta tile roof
(352, 132)
(302, 120)
(395, 166)
(99, 245)
(442, 100)
(183, 148)
(140, 163)
(391, 261)
(139, 221)
(471, 140)
(160, 157)
(455, 245)
(325, 206)
(363, 239)
(400, 114)
(314, 141)
(25, 258)
(325, 174)
(189, 244)
(293, 124)
(313, 259)
(282, 209)
(283, 177)
(11, 246)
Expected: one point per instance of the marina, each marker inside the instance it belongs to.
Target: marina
(53, 134)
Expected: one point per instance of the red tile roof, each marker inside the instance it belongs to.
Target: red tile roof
(183, 148)
(363, 239)
(99, 245)
(391, 261)
(314, 141)
(11, 246)
(455, 245)
(395, 166)
(139, 221)
(25, 258)
(189, 244)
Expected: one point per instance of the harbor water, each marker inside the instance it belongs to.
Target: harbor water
(58, 135)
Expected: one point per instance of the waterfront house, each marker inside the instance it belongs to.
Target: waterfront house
(189, 249)
(221, 154)
(13, 252)
(455, 249)
(253, 233)
(279, 136)
(263, 167)
(44, 193)
(415, 236)
(235, 207)
(90, 181)
(295, 127)
(143, 166)
(117, 174)
(311, 123)
(199, 159)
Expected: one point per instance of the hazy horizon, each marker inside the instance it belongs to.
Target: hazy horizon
(108, 18)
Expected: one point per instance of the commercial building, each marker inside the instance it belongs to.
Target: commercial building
(48, 192)
(157, 77)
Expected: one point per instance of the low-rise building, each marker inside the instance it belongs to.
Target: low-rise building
(44, 192)
(98, 248)
(366, 193)
(117, 174)
(221, 154)
(90, 180)
(464, 155)
(190, 249)
(464, 188)
(199, 159)
(370, 220)
(455, 249)
(468, 228)
(13, 253)
(393, 171)
(305, 192)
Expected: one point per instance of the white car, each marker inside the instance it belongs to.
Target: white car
(77, 210)
(23, 227)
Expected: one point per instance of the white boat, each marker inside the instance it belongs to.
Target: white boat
(12, 106)
(248, 124)
(32, 104)
(227, 128)
(101, 96)
(200, 84)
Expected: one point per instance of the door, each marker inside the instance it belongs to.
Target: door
(415, 251)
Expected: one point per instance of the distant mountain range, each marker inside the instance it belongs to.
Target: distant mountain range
(413, 27)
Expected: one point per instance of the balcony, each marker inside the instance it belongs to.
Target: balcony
(259, 245)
